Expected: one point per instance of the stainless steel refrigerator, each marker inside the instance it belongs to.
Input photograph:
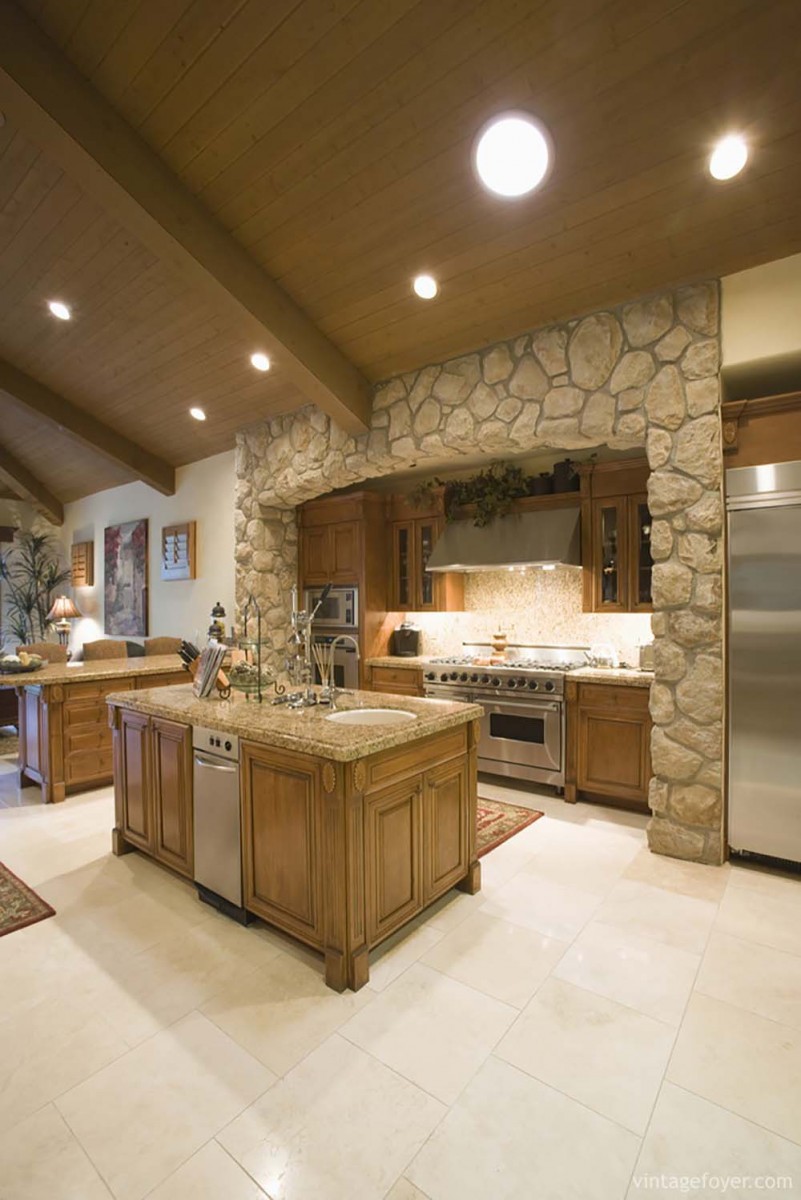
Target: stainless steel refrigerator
(764, 654)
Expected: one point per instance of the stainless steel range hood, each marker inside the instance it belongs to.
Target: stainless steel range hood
(519, 540)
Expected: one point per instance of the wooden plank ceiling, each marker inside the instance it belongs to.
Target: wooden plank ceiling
(332, 140)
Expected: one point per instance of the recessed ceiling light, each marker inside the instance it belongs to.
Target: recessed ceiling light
(729, 157)
(512, 154)
(59, 310)
(425, 286)
(198, 414)
(260, 361)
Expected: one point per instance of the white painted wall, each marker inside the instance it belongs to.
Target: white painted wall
(205, 494)
(761, 311)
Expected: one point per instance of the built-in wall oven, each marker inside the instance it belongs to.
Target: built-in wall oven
(346, 660)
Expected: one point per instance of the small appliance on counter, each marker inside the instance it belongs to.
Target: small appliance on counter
(406, 640)
(603, 654)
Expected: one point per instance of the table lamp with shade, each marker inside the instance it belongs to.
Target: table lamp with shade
(63, 611)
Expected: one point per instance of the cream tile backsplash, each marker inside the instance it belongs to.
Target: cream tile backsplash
(534, 606)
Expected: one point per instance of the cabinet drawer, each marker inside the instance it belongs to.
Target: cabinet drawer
(97, 688)
(171, 680)
(85, 765)
(401, 679)
(87, 738)
(613, 696)
(84, 712)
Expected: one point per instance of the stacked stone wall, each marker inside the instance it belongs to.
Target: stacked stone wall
(645, 374)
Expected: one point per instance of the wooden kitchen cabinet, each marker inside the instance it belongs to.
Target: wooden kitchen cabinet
(333, 539)
(616, 538)
(403, 681)
(393, 857)
(608, 742)
(171, 764)
(282, 832)
(153, 788)
(412, 539)
(445, 832)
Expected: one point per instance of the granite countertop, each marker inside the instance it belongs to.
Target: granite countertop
(416, 663)
(107, 668)
(627, 676)
(304, 730)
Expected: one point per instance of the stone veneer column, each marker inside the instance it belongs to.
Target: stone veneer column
(645, 374)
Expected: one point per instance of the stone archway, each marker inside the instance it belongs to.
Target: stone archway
(645, 374)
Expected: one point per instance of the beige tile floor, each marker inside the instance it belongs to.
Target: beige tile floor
(595, 1016)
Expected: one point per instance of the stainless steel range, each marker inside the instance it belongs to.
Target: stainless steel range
(523, 727)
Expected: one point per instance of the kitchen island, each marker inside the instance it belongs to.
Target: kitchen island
(348, 829)
(64, 739)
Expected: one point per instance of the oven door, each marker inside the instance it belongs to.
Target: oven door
(346, 664)
(523, 740)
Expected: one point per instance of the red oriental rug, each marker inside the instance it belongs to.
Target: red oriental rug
(19, 904)
(498, 821)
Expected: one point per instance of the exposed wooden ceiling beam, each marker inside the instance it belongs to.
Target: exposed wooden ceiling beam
(46, 95)
(87, 429)
(25, 485)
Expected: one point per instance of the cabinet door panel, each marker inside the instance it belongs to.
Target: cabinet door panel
(345, 551)
(171, 748)
(445, 833)
(134, 757)
(613, 757)
(428, 585)
(282, 831)
(315, 564)
(610, 541)
(640, 560)
(393, 858)
(402, 575)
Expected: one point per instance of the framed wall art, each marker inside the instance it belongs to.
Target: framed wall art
(125, 579)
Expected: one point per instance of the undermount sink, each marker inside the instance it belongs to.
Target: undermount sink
(372, 716)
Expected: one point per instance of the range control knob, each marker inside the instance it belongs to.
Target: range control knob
(533, 684)
(521, 683)
(454, 675)
(228, 746)
(463, 677)
(511, 683)
(495, 681)
(443, 678)
(474, 678)
(550, 685)
(485, 678)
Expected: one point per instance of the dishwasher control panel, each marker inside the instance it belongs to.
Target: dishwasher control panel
(214, 741)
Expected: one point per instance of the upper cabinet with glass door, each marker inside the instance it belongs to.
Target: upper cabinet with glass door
(617, 538)
(413, 535)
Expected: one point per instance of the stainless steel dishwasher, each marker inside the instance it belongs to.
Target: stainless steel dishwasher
(218, 835)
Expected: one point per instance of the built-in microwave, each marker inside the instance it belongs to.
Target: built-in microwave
(339, 610)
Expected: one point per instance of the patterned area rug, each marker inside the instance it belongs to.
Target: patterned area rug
(498, 821)
(19, 904)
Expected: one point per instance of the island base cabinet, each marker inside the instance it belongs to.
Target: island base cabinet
(153, 788)
(282, 799)
(393, 858)
(341, 855)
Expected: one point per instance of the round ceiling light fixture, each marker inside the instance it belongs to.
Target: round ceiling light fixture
(198, 414)
(260, 361)
(728, 157)
(58, 309)
(513, 154)
(425, 286)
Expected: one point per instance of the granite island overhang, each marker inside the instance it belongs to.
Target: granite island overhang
(347, 830)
